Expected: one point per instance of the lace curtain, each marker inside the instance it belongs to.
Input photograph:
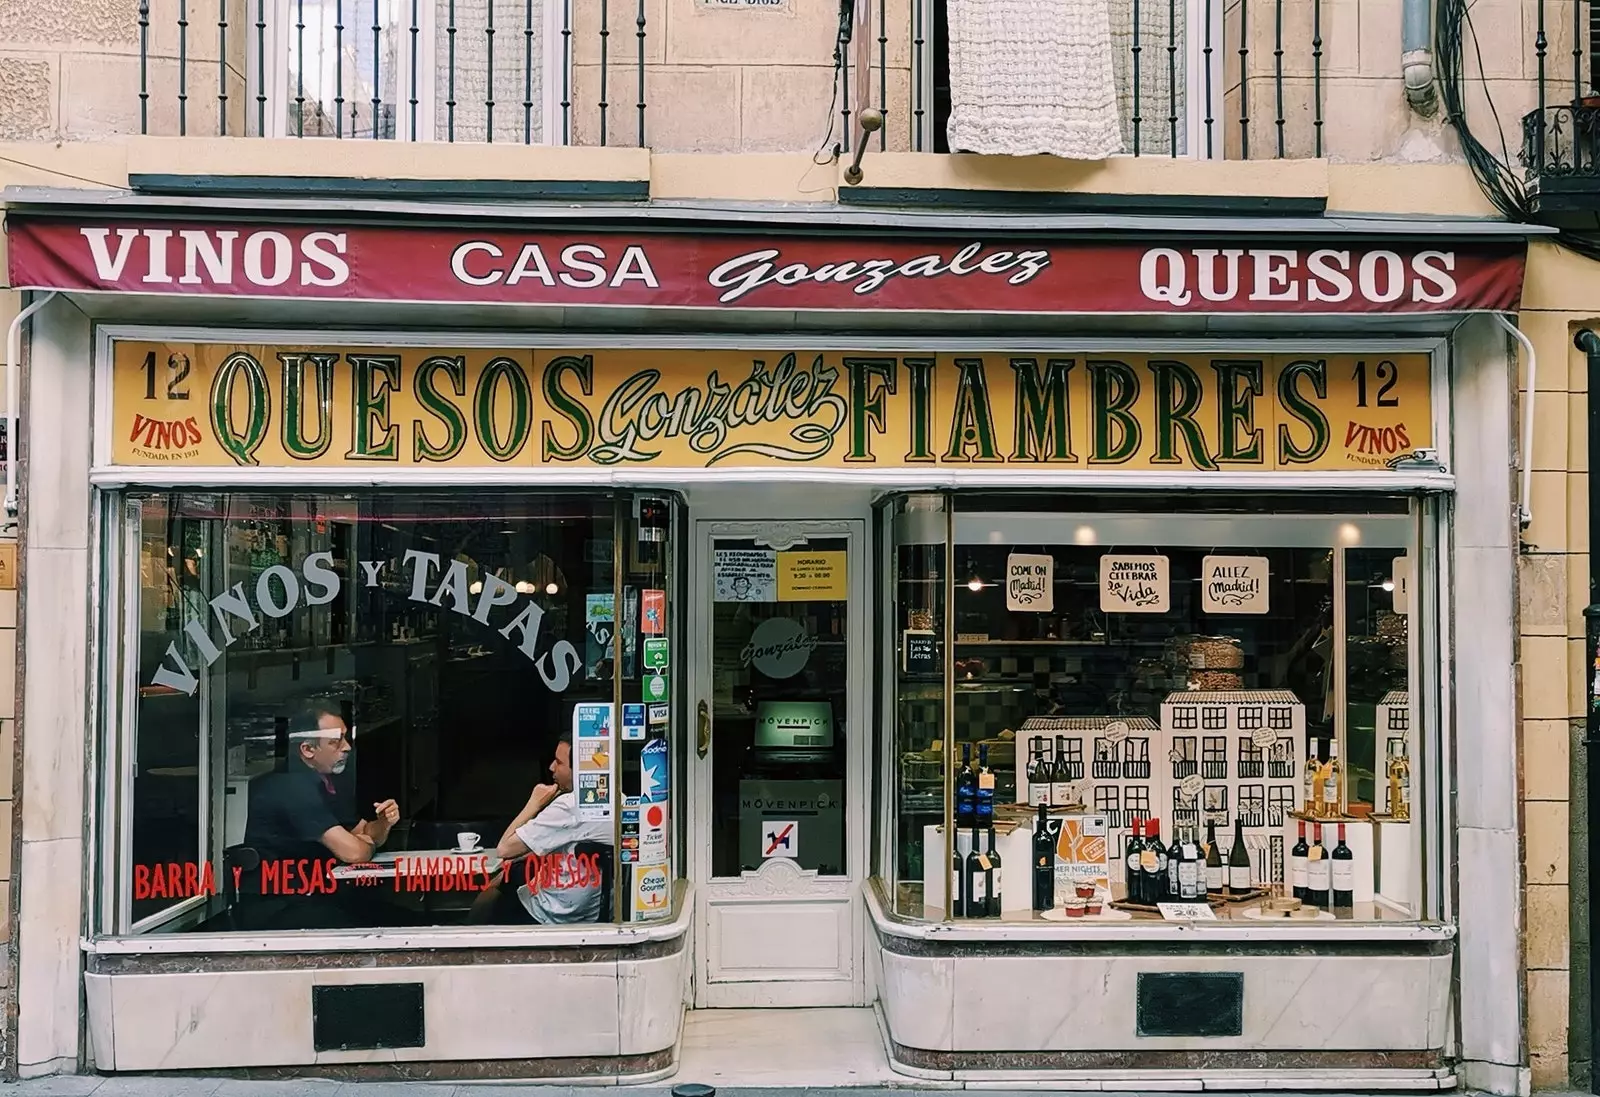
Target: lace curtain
(1059, 77)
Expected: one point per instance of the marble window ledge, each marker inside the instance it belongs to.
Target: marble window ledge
(1140, 932)
(395, 940)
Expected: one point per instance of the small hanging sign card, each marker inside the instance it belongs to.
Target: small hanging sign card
(1030, 583)
(1134, 584)
(1233, 584)
(1400, 578)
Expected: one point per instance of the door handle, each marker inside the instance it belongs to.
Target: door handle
(702, 742)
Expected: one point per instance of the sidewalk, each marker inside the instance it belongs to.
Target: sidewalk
(145, 1086)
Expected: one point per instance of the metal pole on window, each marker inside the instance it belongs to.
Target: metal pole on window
(618, 885)
(1341, 666)
(948, 589)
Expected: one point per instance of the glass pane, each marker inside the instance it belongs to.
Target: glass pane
(1127, 665)
(344, 62)
(392, 686)
(1377, 687)
(920, 531)
(779, 676)
(165, 808)
(488, 70)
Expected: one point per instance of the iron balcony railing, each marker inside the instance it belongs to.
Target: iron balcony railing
(1561, 134)
(1213, 79)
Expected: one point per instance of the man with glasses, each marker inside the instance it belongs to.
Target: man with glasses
(297, 828)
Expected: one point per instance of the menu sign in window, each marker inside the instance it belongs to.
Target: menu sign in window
(1134, 584)
(1233, 584)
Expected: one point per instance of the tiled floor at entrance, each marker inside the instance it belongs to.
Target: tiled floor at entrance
(783, 1047)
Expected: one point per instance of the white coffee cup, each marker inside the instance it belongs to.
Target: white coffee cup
(466, 841)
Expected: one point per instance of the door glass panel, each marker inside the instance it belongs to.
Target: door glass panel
(779, 662)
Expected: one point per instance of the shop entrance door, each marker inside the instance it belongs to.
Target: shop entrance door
(777, 842)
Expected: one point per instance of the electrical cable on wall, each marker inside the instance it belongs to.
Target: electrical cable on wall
(1496, 177)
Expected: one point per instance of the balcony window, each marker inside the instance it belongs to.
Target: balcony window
(1194, 78)
(408, 70)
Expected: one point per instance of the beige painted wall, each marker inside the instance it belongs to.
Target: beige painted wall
(1554, 583)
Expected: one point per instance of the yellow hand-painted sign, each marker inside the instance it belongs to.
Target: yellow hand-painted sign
(216, 405)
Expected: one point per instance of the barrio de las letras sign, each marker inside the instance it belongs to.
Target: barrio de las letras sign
(834, 272)
(325, 404)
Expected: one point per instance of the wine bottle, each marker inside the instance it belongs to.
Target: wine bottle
(1153, 860)
(1216, 874)
(1190, 887)
(966, 790)
(1134, 877)
(993, 875)
(1044, 862)
(983, 816)
(1311, 781)
(1174, 860)
(1331, 773)
(958, 878)
(1318, 875)
(1038, 776)
(977, 880)
(1060, 776)
(1239, 880)
(1297, 865)
(1342, 870)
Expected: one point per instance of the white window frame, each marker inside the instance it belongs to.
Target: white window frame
(278, 84)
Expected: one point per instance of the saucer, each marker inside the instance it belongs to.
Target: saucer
(458, 849)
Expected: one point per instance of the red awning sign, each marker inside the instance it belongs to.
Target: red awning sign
(992, 274)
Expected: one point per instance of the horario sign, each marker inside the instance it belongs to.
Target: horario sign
(989, 274)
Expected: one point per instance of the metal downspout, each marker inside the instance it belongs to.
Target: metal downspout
(1588, 342)
(1416, 54)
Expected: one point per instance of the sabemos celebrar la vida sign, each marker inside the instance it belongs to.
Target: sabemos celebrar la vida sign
(229, 405)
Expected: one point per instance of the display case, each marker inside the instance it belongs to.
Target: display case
(1183, 670)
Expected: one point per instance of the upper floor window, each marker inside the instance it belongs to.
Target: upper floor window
(409, 70)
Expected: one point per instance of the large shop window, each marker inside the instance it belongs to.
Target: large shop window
(388, 709)
(1120, 703)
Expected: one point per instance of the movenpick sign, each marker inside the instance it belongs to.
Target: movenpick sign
(987, 274)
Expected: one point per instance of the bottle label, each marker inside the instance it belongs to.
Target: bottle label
(1317, 876)
(1133, 861)
(1214, 877)
(1188, 876)
(1061, 792)
(986, 780)
(1344, 875)
(1239, 877)
(980, 889)
(1297, 872)
(1147, 860)
(1039, 793)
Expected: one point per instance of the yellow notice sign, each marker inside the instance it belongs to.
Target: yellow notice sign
(811, 577)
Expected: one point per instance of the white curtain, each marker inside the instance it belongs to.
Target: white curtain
(1034, 76)
(1162, 65)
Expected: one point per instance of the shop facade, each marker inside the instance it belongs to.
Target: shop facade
(824, 553)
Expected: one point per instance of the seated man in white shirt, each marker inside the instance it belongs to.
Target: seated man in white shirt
(552, 886)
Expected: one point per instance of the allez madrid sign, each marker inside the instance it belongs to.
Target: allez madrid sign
(1032, 275)
(321, 405)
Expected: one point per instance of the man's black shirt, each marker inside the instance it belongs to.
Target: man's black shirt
(289, 813)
